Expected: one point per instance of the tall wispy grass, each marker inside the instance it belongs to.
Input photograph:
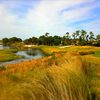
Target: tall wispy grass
(58, 77)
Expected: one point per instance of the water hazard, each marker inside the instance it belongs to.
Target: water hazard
(28, 54)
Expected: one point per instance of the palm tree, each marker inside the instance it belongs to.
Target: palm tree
(46, 34)
(74, 35)
(83, 34)
(67, 35)
(77, 33)
(91, 36)
(98, 37)
(82, 39)
(98, 40)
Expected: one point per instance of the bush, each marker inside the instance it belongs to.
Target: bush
(2, 68)
(86, 52)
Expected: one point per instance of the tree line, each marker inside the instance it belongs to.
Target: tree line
(79, 37)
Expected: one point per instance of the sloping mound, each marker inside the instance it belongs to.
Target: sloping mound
(57, 77)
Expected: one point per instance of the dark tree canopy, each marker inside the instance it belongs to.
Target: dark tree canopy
(79, 37)
(9, 41)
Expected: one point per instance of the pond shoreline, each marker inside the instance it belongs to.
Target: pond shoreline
(24, 55)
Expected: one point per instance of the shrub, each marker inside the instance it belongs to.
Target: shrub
(86, 52)
(2, 68)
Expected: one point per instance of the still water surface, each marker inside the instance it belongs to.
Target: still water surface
(28, 54)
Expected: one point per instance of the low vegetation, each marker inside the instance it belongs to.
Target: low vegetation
(51, 78)
(94, 62)
(8, 54)
(65, 75)
(97, 54)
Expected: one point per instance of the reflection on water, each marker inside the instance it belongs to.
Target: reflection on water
(28, 55)
(31, 54)
(3, 47)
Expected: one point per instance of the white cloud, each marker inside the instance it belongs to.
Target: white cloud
(46, 16)
(5, 16)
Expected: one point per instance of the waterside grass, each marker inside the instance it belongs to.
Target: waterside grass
(57, 77)
(8, 54)
(65, 75)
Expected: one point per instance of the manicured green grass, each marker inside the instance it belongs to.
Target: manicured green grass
(97, 54)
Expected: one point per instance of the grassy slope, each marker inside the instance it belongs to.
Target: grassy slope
(97, 54)
(56, 77)
(49, 78)
(92, 59)
(80, 49)
(8, 54)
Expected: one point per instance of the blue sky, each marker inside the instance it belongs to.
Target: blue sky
(26, 18)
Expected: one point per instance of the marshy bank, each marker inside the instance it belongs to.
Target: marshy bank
(59, 77)
(63, 76)
(3, 47)
(11, 56)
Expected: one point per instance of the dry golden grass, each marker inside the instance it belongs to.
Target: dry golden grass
(84, 50)
(57, 77)
(95, 62)
(62, 76)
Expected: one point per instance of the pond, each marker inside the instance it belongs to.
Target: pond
(28, 54)
(31, 54)
(3, 47)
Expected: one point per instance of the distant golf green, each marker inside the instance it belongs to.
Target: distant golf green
(97, 54)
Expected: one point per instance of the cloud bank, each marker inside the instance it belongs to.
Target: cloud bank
(34, 18)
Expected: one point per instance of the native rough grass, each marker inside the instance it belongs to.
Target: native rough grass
(57, 77)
